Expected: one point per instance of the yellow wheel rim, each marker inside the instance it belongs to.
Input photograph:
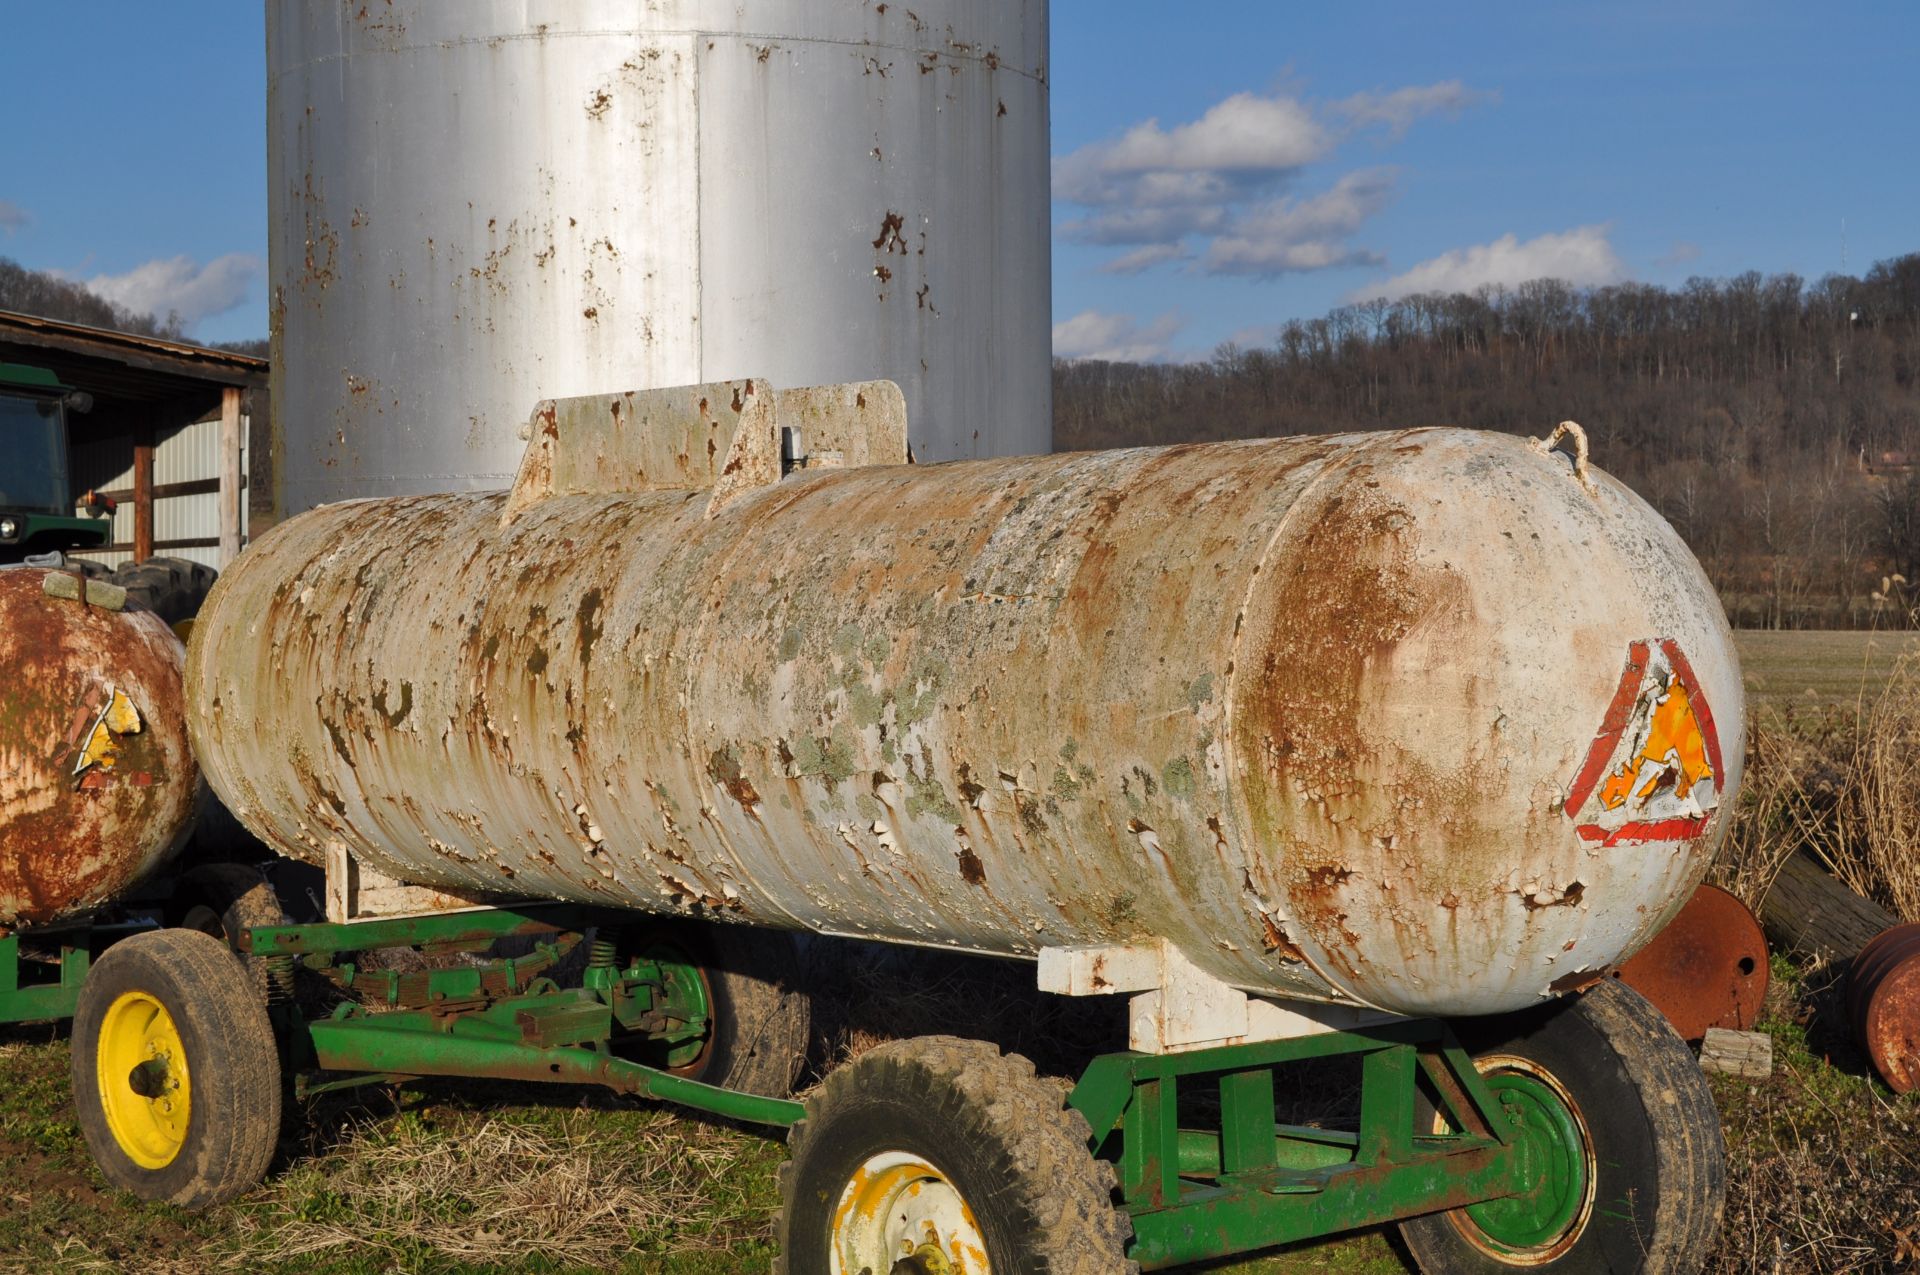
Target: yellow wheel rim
(141, 1066)
(899, 1214)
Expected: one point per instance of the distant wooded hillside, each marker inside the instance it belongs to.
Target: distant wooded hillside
(48, 296)
(1776, 424)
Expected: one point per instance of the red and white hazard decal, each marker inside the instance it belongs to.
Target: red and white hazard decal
(1653, 772)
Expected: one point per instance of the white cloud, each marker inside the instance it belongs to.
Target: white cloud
(1144, 258)
(1117, 338)
(179, 285)
(1207, 189)
(1682, 252)
(1244, 137)
(12, 216)
(1130, 226)
(1582, 256)
(1397, 111)
(1286, 235)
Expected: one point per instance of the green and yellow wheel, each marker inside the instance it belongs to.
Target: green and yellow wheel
(145, 1089)
(941, 1156)
(1618, 1140)
(176, 1077)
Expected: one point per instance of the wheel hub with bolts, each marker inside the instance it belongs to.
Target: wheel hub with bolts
(900, 1215)
(143, 1080)
(1555, 1152)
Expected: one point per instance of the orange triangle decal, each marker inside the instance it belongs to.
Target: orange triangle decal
(1653, 772)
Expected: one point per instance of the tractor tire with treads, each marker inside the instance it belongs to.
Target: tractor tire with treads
(224, 899)
(760, 1010)
(171, 588)
(176, 1075)
(937, 1154)
(1643, 1182)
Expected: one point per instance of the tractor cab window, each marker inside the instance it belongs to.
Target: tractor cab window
(33, 456)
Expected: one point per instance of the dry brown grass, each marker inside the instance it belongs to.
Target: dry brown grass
(1823, 1163)
(1887, 792)
(557, 1186)
(1842, 781)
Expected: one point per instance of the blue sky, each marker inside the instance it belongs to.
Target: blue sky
(1256, 161)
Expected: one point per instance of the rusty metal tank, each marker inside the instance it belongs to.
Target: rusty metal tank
(1425, 720)
(477, 205)
(97, 783)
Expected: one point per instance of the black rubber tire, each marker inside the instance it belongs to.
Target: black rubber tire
(1661, 1164)
(1004, 1138)
(171, 588)
(233, 1065)
(223, 899)
(762, 1012)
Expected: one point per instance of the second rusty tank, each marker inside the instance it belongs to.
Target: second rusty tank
(98, 786)
(1434, 720)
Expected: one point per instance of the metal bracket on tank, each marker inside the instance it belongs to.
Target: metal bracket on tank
(723, 436)
(1177, 1006)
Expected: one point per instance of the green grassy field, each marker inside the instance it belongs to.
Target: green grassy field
(1816, 670)
(444, 1177)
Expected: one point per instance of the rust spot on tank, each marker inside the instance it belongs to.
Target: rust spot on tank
(972, 871)
(970, 791)
(1548, 898)
(1328, 877)
(891, 238)
(339, 743)
(1577, 981)
(587, 625)
(398, 714)
(1275, 940)
(724, 767)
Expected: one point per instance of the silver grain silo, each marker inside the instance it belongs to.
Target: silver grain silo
(481, 205)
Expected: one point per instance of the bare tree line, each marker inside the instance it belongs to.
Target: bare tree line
(48, 296)
(1775, 423)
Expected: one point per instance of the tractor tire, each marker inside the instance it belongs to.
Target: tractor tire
(1643, 1182)
(223, 900)
(937, 1154)
(171, 588)
(761, 1014)
(176, 1076)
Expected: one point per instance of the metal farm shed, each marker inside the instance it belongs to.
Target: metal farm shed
(169, 436)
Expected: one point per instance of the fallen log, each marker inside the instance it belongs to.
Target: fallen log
(1809, 911)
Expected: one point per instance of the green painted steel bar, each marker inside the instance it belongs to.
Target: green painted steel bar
(416, 931)
(1242, 1216)
(1200, 1155)
(1105, 1088)
(400, 1043)
(41, 1001)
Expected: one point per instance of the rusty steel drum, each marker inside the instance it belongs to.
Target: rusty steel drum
(1707, 968)
(97, 782)
(1883, 999)
(1423, 720)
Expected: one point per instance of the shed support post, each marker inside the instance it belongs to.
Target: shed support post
(143, 491)
(230, 451)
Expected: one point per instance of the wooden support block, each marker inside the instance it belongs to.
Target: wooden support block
(1732, 1053)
